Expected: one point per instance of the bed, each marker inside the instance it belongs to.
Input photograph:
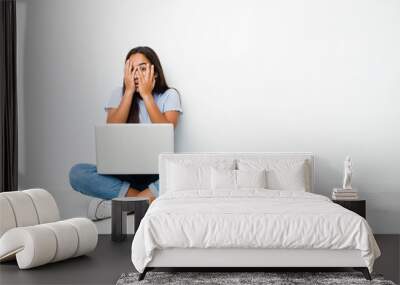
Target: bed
(247, 210)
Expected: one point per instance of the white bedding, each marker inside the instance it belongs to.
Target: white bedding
(250, 218)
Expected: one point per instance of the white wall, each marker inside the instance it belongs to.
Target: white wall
(314, 75)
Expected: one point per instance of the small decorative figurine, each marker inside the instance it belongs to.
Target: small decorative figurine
(348, 172)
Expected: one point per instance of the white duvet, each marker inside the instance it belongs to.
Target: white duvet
(251, 218)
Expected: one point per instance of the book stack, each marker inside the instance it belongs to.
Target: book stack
(344, 194)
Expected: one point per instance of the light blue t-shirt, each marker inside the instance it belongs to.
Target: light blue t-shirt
(167, 101)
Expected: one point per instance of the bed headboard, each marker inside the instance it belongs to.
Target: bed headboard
(166, 157)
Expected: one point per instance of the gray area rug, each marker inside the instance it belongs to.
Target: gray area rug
(225, 278)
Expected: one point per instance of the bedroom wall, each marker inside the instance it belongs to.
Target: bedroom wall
(315, 75)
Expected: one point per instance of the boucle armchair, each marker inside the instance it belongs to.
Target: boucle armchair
(31, 231)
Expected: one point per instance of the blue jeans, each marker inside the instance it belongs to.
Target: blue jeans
(84, 178)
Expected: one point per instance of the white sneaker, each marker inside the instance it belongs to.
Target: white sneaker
(99, 209)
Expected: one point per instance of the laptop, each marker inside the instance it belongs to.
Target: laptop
(132, 148)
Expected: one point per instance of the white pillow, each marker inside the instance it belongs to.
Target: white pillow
(223, 179)
(282, 174)
(188, 175)
(236, 179)
(251, 178)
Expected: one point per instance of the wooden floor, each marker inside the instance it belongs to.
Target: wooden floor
(110, 260)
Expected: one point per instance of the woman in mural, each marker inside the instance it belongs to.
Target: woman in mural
(145, 97)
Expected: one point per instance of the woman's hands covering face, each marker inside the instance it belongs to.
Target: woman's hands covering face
(147, 80)
(129, 79)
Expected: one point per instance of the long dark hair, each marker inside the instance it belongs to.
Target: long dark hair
(160, 86)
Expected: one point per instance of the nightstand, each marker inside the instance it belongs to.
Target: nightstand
(119, 209)
(357, 206)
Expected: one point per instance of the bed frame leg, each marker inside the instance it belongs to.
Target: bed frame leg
(143, 274)
(364, 271)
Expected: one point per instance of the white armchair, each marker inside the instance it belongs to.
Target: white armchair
(31, 230)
